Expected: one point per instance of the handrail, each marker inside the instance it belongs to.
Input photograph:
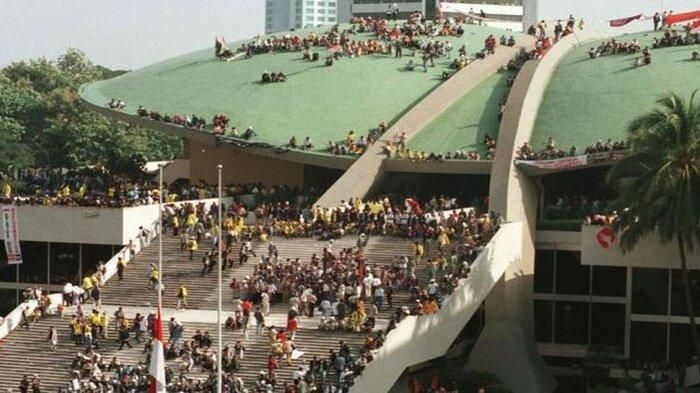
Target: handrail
(418, 339)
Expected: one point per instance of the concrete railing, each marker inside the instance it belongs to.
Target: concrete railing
(421, 338)
(13, 319)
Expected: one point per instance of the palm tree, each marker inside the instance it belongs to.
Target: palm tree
(658, 184)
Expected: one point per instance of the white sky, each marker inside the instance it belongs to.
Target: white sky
(122, 34)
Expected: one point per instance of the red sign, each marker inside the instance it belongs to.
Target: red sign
(605, 237)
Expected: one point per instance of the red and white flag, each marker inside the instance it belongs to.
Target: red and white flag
(623, 21)
(157, 367)
(413, 206)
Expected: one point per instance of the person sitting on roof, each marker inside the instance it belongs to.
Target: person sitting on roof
(293, 142)
(329, 61)
(266, 78)
(249, 133)
(281, 77)
(511, 41)
(410, 66)
(695, 55)
(307, 145)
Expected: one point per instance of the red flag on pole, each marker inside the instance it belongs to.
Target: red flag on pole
(157, 366)
(672, 19)
(623, 21)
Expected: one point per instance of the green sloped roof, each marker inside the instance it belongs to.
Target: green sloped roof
(317, 101)
(590, 99)
(464, 124)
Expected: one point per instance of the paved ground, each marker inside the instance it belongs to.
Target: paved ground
(464, 124)
(317, 101)
(589, 99)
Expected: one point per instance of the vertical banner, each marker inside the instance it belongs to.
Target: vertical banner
(10, 231)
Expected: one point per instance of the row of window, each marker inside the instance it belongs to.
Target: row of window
(561, 272)
(564, 322)
(53, 263)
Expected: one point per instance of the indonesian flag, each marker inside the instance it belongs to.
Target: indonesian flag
(413, 206)
(682, 17)
(623, 21)
(157, 367)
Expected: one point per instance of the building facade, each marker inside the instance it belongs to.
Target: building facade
(285, 15)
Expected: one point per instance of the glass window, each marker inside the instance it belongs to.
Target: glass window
(608, 325)
(7, 272)
(311, 3)
(320, 11)
(609, 281)
(93, 254)
(331, 18)
(331, 4)
(543, 320)
(9, 300)
(571, 323)
(544, 271)
(320, 19)
(649, 291)
(648, 341)
(573, 278)
(678, 306)
(65, 263)
(681, 350)
(34, 263)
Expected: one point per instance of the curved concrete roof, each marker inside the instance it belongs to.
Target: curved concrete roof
(317, 101)
(590, 99)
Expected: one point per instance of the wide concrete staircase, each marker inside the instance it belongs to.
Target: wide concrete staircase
(27, 352)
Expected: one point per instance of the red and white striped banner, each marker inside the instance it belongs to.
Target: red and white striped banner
(10, 231)
(157, 366)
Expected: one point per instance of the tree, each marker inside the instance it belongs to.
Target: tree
(658, 184)
(40, 107)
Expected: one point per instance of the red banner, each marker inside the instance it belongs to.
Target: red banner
(623, 21)
(682, 17)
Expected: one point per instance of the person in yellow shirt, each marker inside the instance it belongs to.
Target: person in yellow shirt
(65, 191)
(192, 246)
(182, 294)
(104, 324)
(82, 190)
(87, 287)
(6, 190)
(443, 240)
(418, 252)
(154, 276)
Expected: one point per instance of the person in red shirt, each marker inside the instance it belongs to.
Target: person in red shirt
(271, 365)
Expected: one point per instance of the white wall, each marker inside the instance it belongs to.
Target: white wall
(648, 253)
(597, 13)
(87, 225)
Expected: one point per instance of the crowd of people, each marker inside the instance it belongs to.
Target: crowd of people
(351, 145)
(397, 149)
(552, 152)
(92, 188)
(341, 287)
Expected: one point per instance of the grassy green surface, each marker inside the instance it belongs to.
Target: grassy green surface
(317, 101)
(464, 124)
(590, 99)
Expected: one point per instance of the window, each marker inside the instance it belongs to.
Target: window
(9, 300)
(649, 291)
(309, 10)
(571, 323)
(309, 18)
(7, 272)
(320, 19)
(65, 263)
(678, 306)
(331, 18)
(331, 4)
(544, 271)
(320, 11)
(34, 262)
(608, 325)
(681, 349)
(648, 341)
(310, 3)
(609, 281)
(543, 320)
(93, 254)
(573, 278)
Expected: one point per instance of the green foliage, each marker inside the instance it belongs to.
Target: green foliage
(659, 182)
(43, 123)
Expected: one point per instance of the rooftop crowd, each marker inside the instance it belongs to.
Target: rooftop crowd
(551, 151)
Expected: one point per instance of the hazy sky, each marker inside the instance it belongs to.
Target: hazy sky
(123, 34)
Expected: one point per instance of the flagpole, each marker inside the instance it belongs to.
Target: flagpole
(159, 228)
(218, 309)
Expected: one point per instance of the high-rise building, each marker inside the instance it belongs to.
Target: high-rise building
(377, 8)
(284, 15)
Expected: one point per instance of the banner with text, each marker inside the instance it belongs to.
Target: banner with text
(10, 231)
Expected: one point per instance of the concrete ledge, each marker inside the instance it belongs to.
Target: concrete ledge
(297, 156)
(480, 167)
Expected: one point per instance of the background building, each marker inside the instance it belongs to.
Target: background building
(283, 15)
